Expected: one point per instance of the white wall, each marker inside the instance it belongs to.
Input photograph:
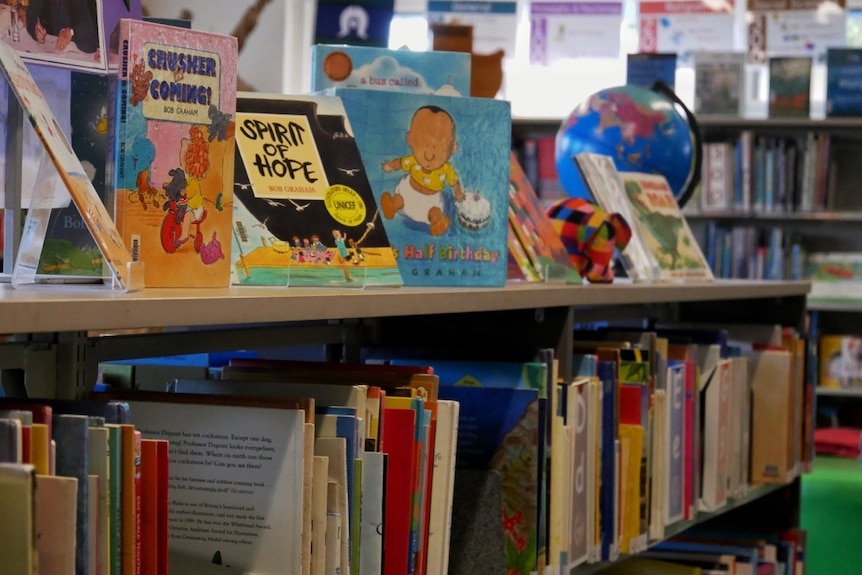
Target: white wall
(276, 56)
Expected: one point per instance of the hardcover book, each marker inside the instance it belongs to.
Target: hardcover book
(663, 229)
(172, 169)
(372, 68)
(68, 34)
(306, 214)
(790, 86)
(439, 168)
(844, 82)
(647, 68)
(66, 164)
(718, 83)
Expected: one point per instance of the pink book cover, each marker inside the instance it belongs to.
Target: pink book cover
(172, 170)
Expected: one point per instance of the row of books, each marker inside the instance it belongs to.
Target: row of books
(81, 492)
(768, 174)
(753, 252)
(678, 422)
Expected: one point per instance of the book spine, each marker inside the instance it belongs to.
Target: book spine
(162, 499)
(149, 507)
(127, 503)
(71, 434)
(115, 464)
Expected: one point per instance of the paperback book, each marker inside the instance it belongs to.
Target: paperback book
(844, 82)
(790, 86)
(439, 169)
(719, 83)
(172, 121)
(305, 213)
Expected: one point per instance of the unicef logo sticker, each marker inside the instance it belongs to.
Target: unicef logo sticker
(345, 205)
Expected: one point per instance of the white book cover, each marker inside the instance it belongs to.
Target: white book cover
(578, 409)
(716, 413)
(245, 462)
(320, 482)
(335, 448)
(94, 489)
(56, 513)
(442, 487)
(675, 442)
(97, 464)
(594, 543)
(334, 528)
(373, 493)
(658, 473)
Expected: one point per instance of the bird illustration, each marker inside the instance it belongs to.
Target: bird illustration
(261, 224)
(299, 207)
(350, 171)
(242, 186)
(274, 203)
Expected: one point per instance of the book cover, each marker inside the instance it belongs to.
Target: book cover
(372, 68)
(18, 546)
(67, 34)
(306, 214)
(438, 167)
(534, 230)
(790, 86)
(840, 361)
(205, 434)
(56, 511)
(719, 83)
(647, 68)
(171, 174)
(663, 228)
(71, 434)
(398, 442)
(843, 82)
(72, 173)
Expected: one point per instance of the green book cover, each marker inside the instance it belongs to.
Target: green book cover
(115, 486)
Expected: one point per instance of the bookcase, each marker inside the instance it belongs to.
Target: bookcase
(56, 339)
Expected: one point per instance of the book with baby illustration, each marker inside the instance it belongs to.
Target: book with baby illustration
(304, 214)
(171, 174)
(59, 161)
(439, 169)
(71, 34)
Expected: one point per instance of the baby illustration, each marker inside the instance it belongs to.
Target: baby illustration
(431, 138)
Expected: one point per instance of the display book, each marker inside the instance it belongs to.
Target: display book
(719, 83)
(65, 34)
(171, 124)
(790, 86)
(304, 212)
(662, 246)
(60, 161)
(438, 167)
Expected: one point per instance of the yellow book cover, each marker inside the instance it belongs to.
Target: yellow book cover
(634, 436)
(18, 519)
(40, 448)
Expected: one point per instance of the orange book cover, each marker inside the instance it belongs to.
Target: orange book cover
(149, 507)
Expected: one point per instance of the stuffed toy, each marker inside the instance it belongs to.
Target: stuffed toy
(590, 236)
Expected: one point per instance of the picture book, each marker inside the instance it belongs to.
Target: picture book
(173, 152)
(304, 212)
(790, 86)
(839, 361)
(719, 83)
(843, 82)
(71, 34)
(834, 274)
(63, 162)
(663, 229)
(535, 232)
(372, 68)
(647, 68)
(438, 166)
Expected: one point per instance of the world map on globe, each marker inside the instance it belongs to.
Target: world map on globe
(639, 128)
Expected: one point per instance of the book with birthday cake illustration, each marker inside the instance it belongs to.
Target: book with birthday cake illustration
(438, 166)
(305, 214)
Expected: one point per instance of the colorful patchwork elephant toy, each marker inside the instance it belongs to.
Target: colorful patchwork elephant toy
(590, 235)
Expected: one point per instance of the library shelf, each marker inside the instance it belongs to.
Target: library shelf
(839, 392)
(25, 311)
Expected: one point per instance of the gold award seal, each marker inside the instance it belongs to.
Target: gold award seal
(345, 205)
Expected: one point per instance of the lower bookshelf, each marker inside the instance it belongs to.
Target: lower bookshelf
(57, 339)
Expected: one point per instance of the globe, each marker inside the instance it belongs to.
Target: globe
(642, 129)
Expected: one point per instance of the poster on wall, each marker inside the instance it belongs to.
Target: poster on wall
(794, 27)
(495, 22)
(684, 26)
(586, 29)
(354, 22)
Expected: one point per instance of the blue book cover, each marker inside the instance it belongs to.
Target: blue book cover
(71, 435)
(439, 169)
(844, 82)
(372, 68)
(607, 372)
(498, 429)
(645, 69)
(585, 364)
(305, 214)
(676, 440)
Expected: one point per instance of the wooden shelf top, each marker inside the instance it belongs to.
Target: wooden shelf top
(43, 310)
